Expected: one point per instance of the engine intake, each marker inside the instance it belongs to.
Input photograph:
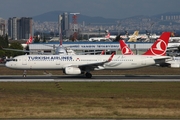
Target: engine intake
(72, 71)
(175, 65)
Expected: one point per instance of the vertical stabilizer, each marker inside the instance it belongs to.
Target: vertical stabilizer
(30, 40)
(160, 45)
(133, 38)
(125, 50)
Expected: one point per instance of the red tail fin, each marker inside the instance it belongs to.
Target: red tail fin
(30, 40)
(125, 50)
(108, 35)
(160, 45)
(102, 53)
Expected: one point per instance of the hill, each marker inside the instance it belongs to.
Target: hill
(53, 16)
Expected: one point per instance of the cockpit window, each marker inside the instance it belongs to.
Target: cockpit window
(11, 60)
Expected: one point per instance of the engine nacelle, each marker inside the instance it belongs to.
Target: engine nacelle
(99, 68)
(72, 71)
(163, 65)
(175, 65)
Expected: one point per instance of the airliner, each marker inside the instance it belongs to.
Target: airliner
(84, 64)
(174, 62)
(95, 39)
(109, 37)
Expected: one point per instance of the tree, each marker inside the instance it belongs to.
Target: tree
(27, 49)
(36, 40)
(44, 39)
(15, 45)
(2, 42)
(2, 53)
(6, 41)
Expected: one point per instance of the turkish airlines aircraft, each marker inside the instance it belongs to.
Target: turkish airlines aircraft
(94, 39)
(158, 46)
(83, 64)
(174, 62)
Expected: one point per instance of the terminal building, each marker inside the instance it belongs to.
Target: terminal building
(49, 48)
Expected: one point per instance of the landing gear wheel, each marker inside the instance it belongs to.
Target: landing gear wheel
(88, 75)
(24, 73)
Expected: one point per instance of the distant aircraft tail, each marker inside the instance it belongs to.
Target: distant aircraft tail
(108, 35)
(125, 50)
(103, 52)
(30, 40)
(160, 45)
(134, 37)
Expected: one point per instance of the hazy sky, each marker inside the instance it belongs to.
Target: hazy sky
(103, 8)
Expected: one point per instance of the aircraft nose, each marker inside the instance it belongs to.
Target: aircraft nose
(8, 64)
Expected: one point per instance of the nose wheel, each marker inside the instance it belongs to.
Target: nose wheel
(88, 75)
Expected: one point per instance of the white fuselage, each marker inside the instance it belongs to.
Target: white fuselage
(93, 39)
(60, 62)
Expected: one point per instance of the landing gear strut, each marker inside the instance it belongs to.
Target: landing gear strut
(24, 73)
(88, 75)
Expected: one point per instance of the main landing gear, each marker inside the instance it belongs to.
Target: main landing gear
(88, 75)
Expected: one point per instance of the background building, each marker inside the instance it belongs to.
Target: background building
(20, 28)
(2, 27)
(65, 25)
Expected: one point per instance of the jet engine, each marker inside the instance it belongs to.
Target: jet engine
(72, 71)
(175, 65)
(164, 65)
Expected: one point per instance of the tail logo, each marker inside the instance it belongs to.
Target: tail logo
(159, 48)
(126, 51)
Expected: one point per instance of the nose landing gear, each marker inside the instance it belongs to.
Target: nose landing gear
(24, 73)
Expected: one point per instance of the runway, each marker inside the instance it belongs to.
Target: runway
(95, 78)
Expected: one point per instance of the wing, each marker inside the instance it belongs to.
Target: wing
(162, 59)
(18, 50)
(26, 51)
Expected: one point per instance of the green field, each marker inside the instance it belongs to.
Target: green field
(90, 100)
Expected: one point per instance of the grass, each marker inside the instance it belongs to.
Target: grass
(90, 100)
